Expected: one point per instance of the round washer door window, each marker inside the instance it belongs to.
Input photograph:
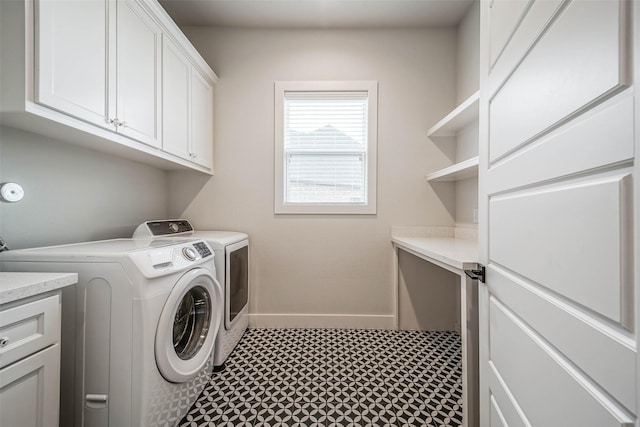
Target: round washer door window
(188, 326)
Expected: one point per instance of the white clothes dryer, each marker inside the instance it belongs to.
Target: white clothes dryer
(231, 250)
(138, 330)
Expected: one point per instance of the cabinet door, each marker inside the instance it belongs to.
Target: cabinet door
(29, 390)
(201, 120)
(176, 73)
(138, 74)
(72, 72)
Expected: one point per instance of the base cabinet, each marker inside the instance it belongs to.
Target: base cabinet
(30, 361)
(29, 390)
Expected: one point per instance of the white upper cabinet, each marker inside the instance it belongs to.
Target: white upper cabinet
(73, 59)
(201, 120)
(138, 75)
(91, 72)
(176, 77)
(187, 106)
(77, 53)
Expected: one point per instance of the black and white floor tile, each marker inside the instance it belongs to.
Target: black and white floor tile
(335, 377)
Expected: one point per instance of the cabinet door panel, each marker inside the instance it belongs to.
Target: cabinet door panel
(201, 120)
(29, 390)
(176, 72)
(72, 58)
(138, 74)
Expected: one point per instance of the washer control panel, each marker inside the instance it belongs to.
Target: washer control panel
(162, 260)
(202, 249)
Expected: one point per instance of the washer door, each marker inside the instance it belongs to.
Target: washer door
(188, 326)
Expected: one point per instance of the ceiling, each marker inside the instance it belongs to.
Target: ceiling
(317, 13)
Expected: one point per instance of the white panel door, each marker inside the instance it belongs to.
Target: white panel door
(72, 72)
(558, 320)
(176, 77)
(201, 120)
(138, 74)
(30, 390)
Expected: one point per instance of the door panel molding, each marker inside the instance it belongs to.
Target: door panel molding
(510, 13)
(497, 419)
(577, 63)
(605, 353)
(584, 403)
(531, 28)
(576, 241)
(500, 393)
(572, 149)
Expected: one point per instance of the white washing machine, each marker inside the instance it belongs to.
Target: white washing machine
(232, 267)
(138, 330)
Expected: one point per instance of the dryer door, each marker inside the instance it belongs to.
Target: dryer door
(188, 326)
(236, 281)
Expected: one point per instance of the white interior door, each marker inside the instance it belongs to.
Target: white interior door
(558, 323)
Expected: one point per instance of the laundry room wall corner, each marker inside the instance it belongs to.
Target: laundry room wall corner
(321, 270)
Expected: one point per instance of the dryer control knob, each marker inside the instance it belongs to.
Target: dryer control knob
(173, 227)
(189, 253)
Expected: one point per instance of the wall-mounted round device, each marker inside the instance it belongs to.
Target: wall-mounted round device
(11, 192)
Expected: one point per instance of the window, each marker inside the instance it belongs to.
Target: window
(325, 145)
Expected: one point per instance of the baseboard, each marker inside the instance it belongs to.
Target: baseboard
(338, 321)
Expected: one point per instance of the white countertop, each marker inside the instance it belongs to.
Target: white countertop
(439, 244)
(448, 250)
(18, 285)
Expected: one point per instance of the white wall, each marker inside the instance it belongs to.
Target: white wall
(468, 82)
(306, 265)
(73, 194)
(468, 53)
(427, 297)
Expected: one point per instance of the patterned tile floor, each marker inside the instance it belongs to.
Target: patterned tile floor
(335, 377)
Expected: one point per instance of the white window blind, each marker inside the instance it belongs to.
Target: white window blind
(325, 146)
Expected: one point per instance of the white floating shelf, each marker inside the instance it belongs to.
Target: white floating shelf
(462, 170)
(464, 114)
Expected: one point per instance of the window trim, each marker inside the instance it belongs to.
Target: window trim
(281, 88)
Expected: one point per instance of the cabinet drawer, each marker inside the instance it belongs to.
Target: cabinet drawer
(28, 328)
